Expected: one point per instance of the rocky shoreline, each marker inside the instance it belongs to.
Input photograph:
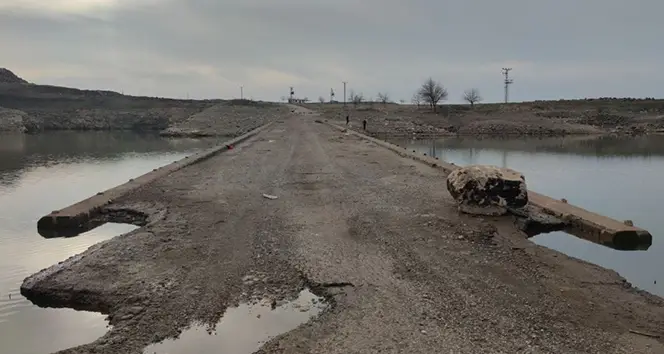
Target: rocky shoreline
(546, 118)
(230, 118)
(12, 120)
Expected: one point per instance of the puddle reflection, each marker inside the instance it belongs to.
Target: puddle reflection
(244, 329)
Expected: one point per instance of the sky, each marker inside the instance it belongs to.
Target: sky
(211, 48)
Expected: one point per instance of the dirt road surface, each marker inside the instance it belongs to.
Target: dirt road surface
(376, 234)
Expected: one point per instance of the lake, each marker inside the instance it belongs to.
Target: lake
(620, 177)
(45, 172)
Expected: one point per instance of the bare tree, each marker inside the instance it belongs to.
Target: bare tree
(402, 101)
(321, 99)
(355, 97)
(432, 92)
(383, 97)
(416, 99)
(472, 96)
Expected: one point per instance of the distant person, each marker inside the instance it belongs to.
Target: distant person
(364, 124)
(347, 119)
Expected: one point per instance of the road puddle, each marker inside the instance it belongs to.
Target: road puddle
(244, 329)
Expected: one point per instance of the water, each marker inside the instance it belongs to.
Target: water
(243, 329)
(617, 177)
(41, 173)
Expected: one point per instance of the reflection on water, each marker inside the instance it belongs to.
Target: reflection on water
(244, 329)
(617, 177)
(41, 173)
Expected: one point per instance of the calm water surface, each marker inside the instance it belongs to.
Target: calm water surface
(40, 173)
(619, 177)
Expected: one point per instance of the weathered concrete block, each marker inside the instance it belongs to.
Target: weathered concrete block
(487, 190)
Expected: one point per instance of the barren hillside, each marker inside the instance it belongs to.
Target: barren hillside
(592, 116)
(9, 77)
(32, 108)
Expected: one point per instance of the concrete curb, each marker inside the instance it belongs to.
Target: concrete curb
(79, 217)
(585, 224)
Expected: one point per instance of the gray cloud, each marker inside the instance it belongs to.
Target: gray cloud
(209, 48)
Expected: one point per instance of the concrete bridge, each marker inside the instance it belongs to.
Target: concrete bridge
(365, 224)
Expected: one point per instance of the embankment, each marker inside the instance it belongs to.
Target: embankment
(228, 118)
(539, 118)
(12, 120)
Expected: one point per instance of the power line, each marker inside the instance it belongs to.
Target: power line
(508, 82)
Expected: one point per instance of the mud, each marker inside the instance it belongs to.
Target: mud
(375, 234)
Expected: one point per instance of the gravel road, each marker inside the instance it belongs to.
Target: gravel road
(375, 233)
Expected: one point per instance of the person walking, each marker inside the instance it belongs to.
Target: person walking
(364, 124)
(347, 119)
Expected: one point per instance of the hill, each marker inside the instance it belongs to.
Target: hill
(32, 108)
(8, 77)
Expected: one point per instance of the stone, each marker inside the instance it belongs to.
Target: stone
(487, 190)
(12, 120)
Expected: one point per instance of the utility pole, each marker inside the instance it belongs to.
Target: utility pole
(508, 82)
(241, 92)
(345, 82)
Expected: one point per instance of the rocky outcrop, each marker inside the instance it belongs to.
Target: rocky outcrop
(12, 120)
(8, 77)
(487, 190)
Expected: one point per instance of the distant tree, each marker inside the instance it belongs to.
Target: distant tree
(416, 99)
(432, 92)
(383, 97)
(356, 98)
(283, 98)
(321, 99)
(402, 101)
(472, 96)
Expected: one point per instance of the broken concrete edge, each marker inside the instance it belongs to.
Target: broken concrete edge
(585, 224)
(593, 227)
(79, 217)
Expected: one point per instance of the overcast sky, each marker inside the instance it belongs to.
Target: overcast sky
(209, 48)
